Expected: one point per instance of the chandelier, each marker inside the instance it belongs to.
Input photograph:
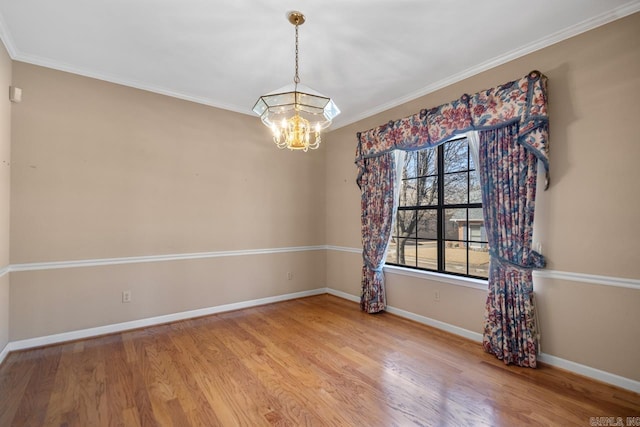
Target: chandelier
(296, 114)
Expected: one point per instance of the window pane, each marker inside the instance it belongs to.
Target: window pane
(472, 164)
(409, 169)
(428, 224)
(455, 257)
(428, 191)
(428, 254)
(407, 252)
(392, 252)
(455, 224)
(479, 260)
(455, 188)
(475, 193)
(477, 232)
(455, 156)
(428, 162)
(406, 221)
(408, 193)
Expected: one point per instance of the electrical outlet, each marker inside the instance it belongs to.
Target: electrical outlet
(126, 296)
(436, 296)
(289, 275)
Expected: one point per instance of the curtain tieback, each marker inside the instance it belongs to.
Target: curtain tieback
(371, 267)
(535, 260)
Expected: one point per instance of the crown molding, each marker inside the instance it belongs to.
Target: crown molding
(589, 24)
(60, 66)
(572, 31)
(7, 39)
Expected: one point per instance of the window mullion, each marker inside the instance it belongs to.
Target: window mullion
(417, 210)
(467, 244)
(440, 210)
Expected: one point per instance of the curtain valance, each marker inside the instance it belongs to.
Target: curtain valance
(521, 101)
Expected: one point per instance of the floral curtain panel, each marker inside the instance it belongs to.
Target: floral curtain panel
(508, 173)
(377, 185)
(514, 118)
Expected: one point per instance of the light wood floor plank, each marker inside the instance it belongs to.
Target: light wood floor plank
(315, 361)
(14, 379)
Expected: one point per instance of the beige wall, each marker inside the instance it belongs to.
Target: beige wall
(105, 171)
(5, 191)
(587, 221)
(102, 170)
(52, 301)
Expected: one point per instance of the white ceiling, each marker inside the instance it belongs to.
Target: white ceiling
(368, 55)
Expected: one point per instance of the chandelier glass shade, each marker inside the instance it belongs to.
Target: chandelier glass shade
(296, 114)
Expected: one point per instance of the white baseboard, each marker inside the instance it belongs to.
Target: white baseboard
(456, 330)
(568, 365)
(4, 353)
(151, 321)
(343, 295)
(416, 317)
(587, 371)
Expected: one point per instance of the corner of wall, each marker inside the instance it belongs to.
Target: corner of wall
(6, 73)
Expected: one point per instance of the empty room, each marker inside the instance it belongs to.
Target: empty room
(411, 213)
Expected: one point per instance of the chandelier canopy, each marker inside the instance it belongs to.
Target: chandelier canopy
(296, 114)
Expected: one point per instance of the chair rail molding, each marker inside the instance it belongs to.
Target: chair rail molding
(620, 282)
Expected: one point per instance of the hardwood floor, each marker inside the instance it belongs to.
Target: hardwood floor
(312, 361)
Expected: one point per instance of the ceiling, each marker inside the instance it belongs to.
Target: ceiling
(367, 55)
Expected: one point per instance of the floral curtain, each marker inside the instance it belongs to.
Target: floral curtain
(513, 123)
(508, 173)
(377, 183)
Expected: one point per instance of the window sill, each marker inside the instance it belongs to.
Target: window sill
(467, 282)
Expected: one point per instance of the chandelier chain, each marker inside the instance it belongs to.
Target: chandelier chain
(296, 79)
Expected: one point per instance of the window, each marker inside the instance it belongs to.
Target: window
(439, 226)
